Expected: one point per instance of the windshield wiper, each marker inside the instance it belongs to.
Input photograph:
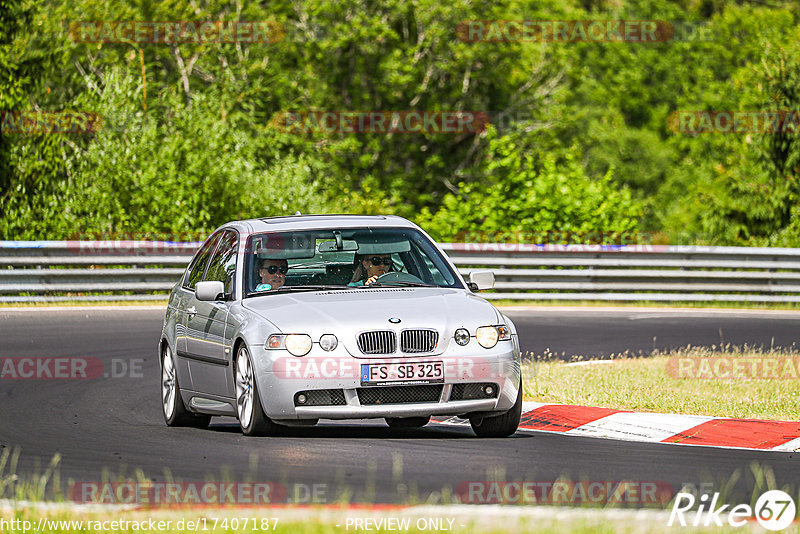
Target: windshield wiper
(400, 283)
(313, 287)
(290, 289)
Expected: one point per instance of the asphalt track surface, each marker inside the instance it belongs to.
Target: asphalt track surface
(113, 426)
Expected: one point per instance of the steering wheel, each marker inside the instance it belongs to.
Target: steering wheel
(395, 276)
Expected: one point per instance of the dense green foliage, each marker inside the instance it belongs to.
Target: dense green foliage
(534, 200)
(580, 144)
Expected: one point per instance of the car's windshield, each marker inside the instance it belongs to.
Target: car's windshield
(349, 258)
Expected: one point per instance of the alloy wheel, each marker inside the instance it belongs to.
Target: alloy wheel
(168, 384)
(244, 388)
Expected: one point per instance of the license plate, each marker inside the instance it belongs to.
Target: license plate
(402, 373)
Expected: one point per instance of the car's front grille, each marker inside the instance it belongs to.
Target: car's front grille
(472, 391)
(321, 397)
(377, 342)
(418, 340)
(399, 394)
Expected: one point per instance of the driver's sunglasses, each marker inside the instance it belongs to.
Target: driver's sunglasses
(377, 260)
(272, 269)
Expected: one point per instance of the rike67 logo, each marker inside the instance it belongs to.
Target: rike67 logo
(774, 510)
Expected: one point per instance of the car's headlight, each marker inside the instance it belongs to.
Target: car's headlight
(328, 342)
(503, 332)
(275, 341)
(488, 336)
(296, 344)
(461, 336)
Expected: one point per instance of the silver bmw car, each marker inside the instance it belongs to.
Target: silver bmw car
(283, 321)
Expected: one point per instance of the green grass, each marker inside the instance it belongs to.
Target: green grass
(644, 384)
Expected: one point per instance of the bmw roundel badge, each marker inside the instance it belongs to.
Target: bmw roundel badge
(394, 320)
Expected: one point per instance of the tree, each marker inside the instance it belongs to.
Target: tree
(535, 197)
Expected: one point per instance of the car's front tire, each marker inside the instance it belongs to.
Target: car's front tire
(175, 413)
(499, 426)
(252, 420)
(407, 422)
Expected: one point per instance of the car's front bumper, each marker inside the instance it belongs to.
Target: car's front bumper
(358, 411)
(282, 376)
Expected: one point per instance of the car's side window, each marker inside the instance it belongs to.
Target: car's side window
(198, 266)
(439, 272)
(222, 266)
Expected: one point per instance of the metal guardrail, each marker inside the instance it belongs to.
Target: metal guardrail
(145, 270)
(51, 271)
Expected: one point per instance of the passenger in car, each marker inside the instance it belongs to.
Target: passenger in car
(369, 268)
(273, 274)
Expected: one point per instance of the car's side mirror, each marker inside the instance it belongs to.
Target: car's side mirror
(480, 280)
(210, 290)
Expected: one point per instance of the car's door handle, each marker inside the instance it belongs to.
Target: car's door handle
(191, 312)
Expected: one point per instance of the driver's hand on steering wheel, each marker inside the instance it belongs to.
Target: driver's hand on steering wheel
(371, 280)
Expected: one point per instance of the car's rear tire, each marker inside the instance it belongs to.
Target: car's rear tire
(252, 419)
(175, 412)
(407, 422)
(499, 426)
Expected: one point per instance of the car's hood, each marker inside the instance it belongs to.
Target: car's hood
(348, 312)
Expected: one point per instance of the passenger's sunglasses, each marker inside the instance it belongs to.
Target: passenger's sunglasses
(377, 260)
(272, 269)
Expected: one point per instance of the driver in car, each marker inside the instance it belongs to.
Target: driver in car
(369, 267)
(273, 274)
